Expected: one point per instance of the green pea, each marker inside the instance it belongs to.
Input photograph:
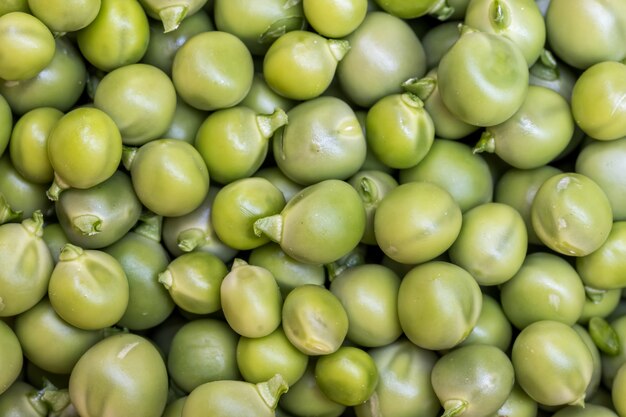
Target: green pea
(596, 375)
(88, 288)
(571, 214)
(193, 280)
(441, 10)
(334, 19)
(287, 186)
(604, 268)
(323, 140)
(12, 359)
(599, 303)
(15, 401)
(6, 123)
(319, 225)
(175, 408)
(304, 309)
(618, 388)
(207, 83)
(445, 293)
(492, 328)
(186, 122)
(55, 239)
(590, 410)
(549, 71)
(118, 35)
(416, 222)
(203, 350)
(171, 15)
(14, 6)
(19, 196)
(517, 404)
(473, 380)
(235, 398)
(611, 363)
(65, 16)
(438, 39)
(262, 99)
(552, 363)
(237, 208)
(27, 265)
(234, 142)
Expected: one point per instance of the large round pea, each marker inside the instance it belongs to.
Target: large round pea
(445, 293)
(171, 15)
(26, 46)
(552, 363)
(571, 214)
(11, 354)
(473, 380)
(319, 225)
(141, 100)
(416, 222)
(118, 35)
(169, 176)
(491, 244)
(95, 388)
(492, 328)
(333, 18)
(213, 70)
(546, 287)
(605, 268)
(88, 288)
(314, 320)
(598, 100)
(65, 16)
(483, 78)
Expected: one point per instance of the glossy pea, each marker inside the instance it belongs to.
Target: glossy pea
(335, 19)
(590, 342)
(549, 71)
(438, 39)
(262, 99)
(604, 268)
(15, 401)
(618, 387)
(612, 363)
(12, 359)
(589, 411)
(599, 303)
(492, 328)
(20, 198)
(185, 123)
(171, 15)
(416, 9)
(517, 404)
(6, 123)
(65, 16)
(55, 239)
(286, 185)
(14, 6)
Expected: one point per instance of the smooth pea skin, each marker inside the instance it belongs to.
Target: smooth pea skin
(118, 35)
(571, 214)
(445, 293)
(619, 386)
(552, 363)
(262, 99)
(483, 78)
(369, 294)
(169, 177)
(251, 300)
(491, 244)
(518, 404)
(438, 40)
(19, 197)
(95, 388)
(186, 122)
(319, 225)
(473, 381)
(6, 123)
(384, 52)
(604, 85)
(11, 354)
(590, 410)
(546, 287)
(304, 310)
(65, 16)
(26, 46)
(141, 100)
(213, 70)
(416, 222)
(334, 19)
(605, 268)
(492, 328)
(416, 9)
(322, 140)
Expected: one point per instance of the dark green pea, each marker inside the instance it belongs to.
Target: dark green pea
(260, 358)
(251, 300)
(605, 267)
(445, 293)
(369, 295)
(318, 225)
(599, 303)
(12, 359)
(163, 334)
(51, 343)
(14, 6)
(546, 287)
(416, 222)
(175, 408)
(590, 410)
(288, 272)
(28, 146)
(26, 45)
(453, 167)
(383, 48)
(21, 197)
(323, 140)
(39, 378)
(550, 72)
(234, 142)
(172, 15)
(305, 399)
(94, 383)
(60, 84)
(348, 376)
(492, 328)
(552, 363)
(235, 398)
(65, 16)
(473, 380)
(195, 232)
(118, 35)
(186, 122)
(27, 265)
(518, 404)
(618, 389)
(203, 350)
(611, 363)
(141, 100)
(596, 376)
(571, 214)
(334, 19)
(535, 135)
(307, 306)
(287, 186)
(88, 288)
(98, 216)
(239, 205)
(193, 280)
(518, 187)
(55, 239)
(262, 99)
(602, 161)
(399, 130)
(142, 257)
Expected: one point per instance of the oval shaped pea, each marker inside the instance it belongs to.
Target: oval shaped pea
(334, 19)
(65, 16)
(12, 359)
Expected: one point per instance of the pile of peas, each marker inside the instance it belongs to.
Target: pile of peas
(312, 208)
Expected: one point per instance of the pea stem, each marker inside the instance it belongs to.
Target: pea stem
(87, 224)
(7, 214)
(441, 10)
(268, 124)
(421, 87)
(545, 67)
(34, 224)
(128, 155)
(338, 48)
(486, 143)
(604, 336)
(57, 187)
(172, 16)
(271, 226)
(271, 390)
(149, 226)
(500, 15)
(454, 408)
(190, 239)
(70, 252)
(166, 278)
